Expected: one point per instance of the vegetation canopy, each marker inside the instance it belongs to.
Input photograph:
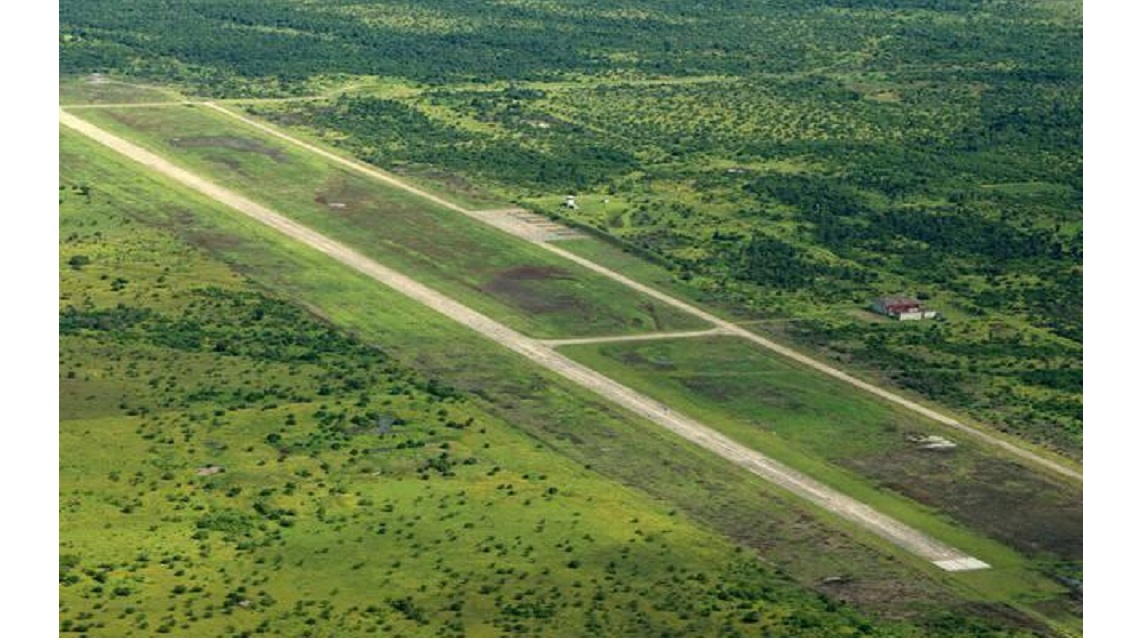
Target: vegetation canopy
(258, 441)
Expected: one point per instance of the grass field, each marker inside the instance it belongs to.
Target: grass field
(785, 330)
(508, 279)
(611, 254)
(771, 404)
(446, 184)
(96, 89)
(556, 420)
(250, 492)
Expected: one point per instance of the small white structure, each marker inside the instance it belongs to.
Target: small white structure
(935, 443)
(570, 203)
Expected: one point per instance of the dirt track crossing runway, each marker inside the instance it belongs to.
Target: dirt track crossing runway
(940, 554)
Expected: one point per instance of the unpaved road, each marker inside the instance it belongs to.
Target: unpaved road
(726, 326)
(942, 555)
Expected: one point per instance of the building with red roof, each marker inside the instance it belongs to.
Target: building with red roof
(902, 308)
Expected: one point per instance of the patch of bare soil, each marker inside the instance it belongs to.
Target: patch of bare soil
(186, 226)
(229, 162)
(232, 143)
(712, 387)
(339, 193)
(868, 593)
(720, 388)
(524, 288)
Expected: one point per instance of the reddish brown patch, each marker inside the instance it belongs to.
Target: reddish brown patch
(523, 287)
(528, 272)
(348, 196)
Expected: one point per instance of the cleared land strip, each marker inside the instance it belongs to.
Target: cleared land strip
(731, 328)
(662, 335)
(180, 103)
(942, 555)
(130, 105)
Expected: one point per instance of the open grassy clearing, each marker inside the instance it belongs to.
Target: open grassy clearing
(222, 472)
(763, 400)
(851, 311)
(99, 89)
(695, 199)
(614, 256)
(589, 433)
(510, 280)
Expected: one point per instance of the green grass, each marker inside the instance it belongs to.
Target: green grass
(85, 90)
(448, 185)
(506, 278)
(610, 254)
(854, 442)
(785, 330)
(455, 522)
(554, 419)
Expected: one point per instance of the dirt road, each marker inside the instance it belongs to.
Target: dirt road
(726, 326)
(940, 554)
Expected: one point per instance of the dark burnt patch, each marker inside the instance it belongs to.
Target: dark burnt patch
(231, 143)
(1004, 499)
(524, 287)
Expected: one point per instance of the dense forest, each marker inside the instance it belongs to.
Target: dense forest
(453, 40)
